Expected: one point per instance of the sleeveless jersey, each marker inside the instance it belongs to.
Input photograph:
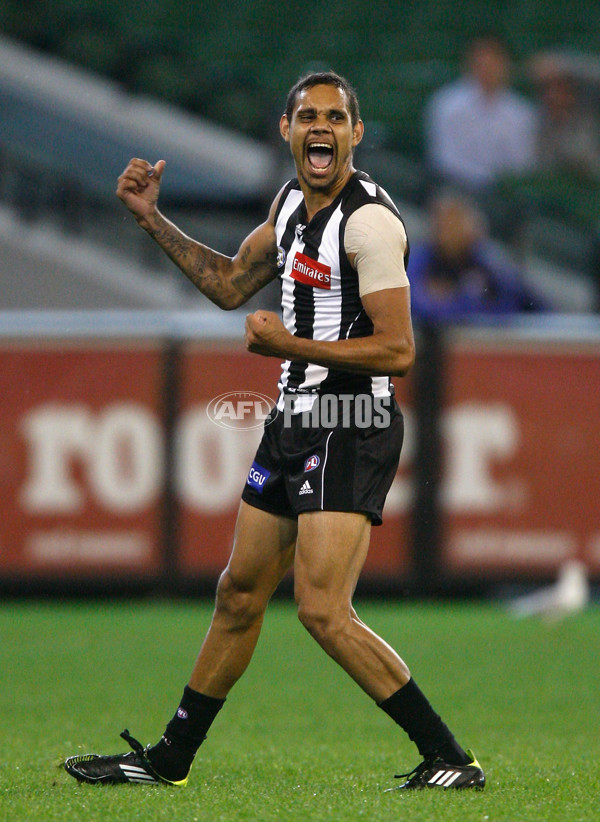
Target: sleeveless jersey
(319, 288)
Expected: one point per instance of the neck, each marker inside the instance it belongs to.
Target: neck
(316, 199)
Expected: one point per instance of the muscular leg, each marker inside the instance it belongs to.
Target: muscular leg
(330, 553)
(263, 551)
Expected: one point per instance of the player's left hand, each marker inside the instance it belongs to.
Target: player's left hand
(266, 334)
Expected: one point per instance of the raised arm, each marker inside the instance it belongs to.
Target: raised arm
(227, 281)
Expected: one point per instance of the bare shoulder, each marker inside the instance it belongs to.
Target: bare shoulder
(275, 205)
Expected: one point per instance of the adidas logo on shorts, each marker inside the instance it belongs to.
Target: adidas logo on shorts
(306, 489)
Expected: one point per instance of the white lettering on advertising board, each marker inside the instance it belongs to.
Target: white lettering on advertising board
(115, 456)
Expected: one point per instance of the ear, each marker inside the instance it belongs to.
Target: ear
(284, 128)
(357, 133)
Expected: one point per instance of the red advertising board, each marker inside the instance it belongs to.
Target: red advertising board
(522, 458)
(80, 459)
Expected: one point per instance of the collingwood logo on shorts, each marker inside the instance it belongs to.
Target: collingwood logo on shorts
(306, 488)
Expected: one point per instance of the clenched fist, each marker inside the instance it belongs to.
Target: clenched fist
(139, 185)
(267, 335)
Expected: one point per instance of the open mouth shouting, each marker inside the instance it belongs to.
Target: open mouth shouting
(320, 157)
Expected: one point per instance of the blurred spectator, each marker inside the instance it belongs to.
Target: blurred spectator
(565, 181)
(477, 128)
(568, 136)
(459, 272)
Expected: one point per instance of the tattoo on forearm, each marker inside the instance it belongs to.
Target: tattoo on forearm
(205, 273)
(199, 263)
(175, 244)
(205, 267)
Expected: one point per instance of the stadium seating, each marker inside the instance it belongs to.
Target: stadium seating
(208, 57)
(233, 62)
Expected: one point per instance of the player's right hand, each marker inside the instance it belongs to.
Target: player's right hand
(139, 185)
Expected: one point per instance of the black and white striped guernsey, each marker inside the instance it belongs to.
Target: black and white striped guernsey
(319, 288)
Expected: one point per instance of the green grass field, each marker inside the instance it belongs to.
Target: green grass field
(297, 740)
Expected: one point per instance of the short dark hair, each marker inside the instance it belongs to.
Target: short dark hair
(323, 78)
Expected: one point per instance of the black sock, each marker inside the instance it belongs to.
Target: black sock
(173, 755)
(410, 708)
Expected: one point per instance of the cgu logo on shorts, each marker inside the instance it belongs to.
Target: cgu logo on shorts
(257, 476)
(311, 272)
(312, 463)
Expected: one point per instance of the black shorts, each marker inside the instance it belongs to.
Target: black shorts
(346, 467)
